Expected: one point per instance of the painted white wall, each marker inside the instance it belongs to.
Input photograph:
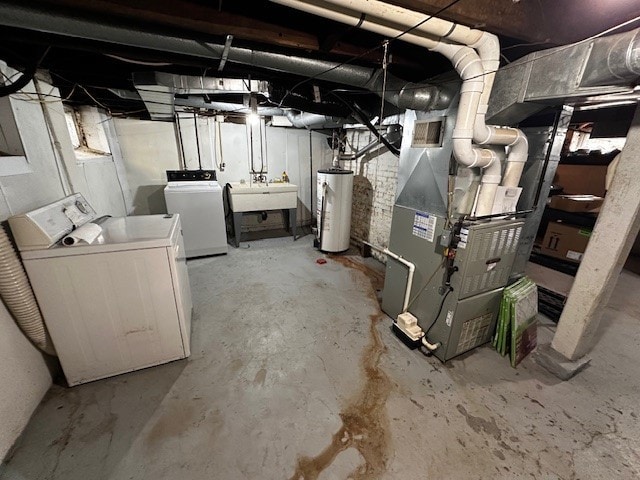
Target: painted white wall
(24, 375)
(150, 148)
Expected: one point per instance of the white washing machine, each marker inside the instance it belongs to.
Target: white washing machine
(199, 203)
(119, 303)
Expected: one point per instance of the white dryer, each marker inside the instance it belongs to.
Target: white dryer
(199, 203)
(119, 303)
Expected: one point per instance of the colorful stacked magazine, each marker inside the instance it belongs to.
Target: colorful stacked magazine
(517, 329)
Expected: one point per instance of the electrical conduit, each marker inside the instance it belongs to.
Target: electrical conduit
(17, 295)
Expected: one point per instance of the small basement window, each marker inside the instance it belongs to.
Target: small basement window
(86, 127)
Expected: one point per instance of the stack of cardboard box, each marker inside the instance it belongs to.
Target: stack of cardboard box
(584, 187)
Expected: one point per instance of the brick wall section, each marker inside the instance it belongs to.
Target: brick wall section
(374, 189)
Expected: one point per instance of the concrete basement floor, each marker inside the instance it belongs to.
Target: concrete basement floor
(296, 374)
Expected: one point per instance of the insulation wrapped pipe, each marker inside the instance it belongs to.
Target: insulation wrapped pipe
(17, 295)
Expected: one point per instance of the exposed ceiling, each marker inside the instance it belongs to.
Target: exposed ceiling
(523, 25)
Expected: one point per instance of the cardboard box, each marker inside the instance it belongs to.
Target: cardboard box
(576, 203)
(567, 242)
(582, 179)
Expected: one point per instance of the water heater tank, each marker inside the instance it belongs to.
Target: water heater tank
(335, 190)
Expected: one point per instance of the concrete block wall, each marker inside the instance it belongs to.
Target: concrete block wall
(374, 189)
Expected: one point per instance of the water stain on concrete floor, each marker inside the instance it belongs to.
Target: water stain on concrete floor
(365, 424)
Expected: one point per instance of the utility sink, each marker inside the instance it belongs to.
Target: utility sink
(246, 197)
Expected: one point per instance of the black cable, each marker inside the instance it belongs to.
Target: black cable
(439, 311)
(25, 78)
(362, 117)
(195, 125)
(184, 160)
(322, 214)
(547, 157)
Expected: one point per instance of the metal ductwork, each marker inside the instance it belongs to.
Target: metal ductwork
(557, 76)
(199, 102)
(161, 102)
(393, 135)
(420, 96)
(298, 120)
(158, 89)
(197, 85)
(312, 120)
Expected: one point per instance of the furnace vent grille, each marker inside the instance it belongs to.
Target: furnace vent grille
(428, 133)
(490, 254)
(474, 332)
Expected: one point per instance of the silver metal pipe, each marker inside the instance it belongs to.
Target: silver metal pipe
(420, 96)
(225, 52)
(313, 120)
(614, 60)
(392, 135)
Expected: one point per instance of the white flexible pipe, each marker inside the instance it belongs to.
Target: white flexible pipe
(409, 285)
(17, 295)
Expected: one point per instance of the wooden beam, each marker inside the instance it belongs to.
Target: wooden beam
(522, 20)
(542, 21)
(187, 16)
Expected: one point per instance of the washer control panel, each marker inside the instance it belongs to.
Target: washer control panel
(190, 175)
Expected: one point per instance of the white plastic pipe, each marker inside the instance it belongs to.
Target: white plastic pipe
(475, 55)
(354, 19)
(469, 66)
(430, 346)
(403, 17)
(488, 48)
(491, 177)
(409, 285)
(464, 59)
(518, 153)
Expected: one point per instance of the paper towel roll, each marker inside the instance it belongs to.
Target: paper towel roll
(86, 234)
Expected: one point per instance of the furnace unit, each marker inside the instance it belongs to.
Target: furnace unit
(462, 262)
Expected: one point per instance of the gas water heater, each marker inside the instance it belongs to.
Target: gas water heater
(335, 190)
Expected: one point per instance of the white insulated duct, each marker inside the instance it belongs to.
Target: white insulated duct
(475, 56)
(17, 295)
